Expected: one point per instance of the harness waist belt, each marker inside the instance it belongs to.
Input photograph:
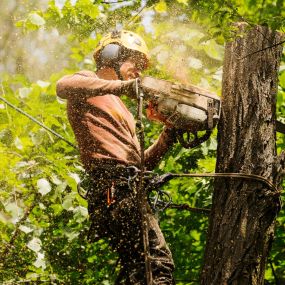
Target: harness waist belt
(111, 171)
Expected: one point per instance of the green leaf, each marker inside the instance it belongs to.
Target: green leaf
(161, 7)
(71, 235)
(185, 2)
(36, 19)
(68, 202)
(194, 63)
(57, 208)
(6, 135)
(44, 186)
(25, 229)
(43, 84)
(18, 144)
(282, 80)
(213, 50)
(195, 234)
(24, 92)
(14, 210)
(4, 119)
(80, 214)
(88, 8)
(35, 244)
(19, 24)
(38, 137)
(40, 261)
(207, 164)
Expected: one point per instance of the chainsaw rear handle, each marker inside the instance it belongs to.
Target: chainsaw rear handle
(191, 143)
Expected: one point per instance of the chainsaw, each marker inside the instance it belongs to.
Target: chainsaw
(187, 108)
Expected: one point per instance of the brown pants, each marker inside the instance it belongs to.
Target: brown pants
(120, 223)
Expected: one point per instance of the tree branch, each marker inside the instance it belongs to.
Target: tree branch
(136, 15)
(273, 272)
(9, 246)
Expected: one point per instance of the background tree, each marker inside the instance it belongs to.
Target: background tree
(43, 220)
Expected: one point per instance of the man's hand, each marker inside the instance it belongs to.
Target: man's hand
(129, 88)
(148, 92)
(190, 142)
(170, 134)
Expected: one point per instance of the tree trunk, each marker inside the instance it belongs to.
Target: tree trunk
(243, 212)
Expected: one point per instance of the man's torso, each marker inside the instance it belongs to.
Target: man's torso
(104, 129)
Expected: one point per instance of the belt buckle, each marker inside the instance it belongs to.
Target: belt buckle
(132, 171)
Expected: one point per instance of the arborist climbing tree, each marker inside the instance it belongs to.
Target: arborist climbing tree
(110, 151)
(118, 167)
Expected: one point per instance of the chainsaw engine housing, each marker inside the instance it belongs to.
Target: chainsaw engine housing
(185, 107)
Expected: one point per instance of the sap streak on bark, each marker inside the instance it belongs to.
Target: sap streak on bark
(243, 212)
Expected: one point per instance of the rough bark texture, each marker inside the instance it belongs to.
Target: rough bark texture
(243, 212)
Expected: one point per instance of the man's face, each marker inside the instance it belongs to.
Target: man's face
(129, 70)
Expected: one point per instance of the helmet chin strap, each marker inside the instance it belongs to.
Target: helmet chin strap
(117, 70)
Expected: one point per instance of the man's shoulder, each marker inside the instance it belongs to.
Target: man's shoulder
(87, 73)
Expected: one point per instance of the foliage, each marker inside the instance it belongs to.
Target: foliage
(43, 220)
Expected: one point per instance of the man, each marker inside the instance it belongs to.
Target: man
(109, 150)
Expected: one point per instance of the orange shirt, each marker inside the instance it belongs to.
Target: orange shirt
(103, 126)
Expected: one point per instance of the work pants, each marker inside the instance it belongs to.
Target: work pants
(120, 223)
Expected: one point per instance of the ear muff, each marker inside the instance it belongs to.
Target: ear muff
(112, 55)
(109, 55)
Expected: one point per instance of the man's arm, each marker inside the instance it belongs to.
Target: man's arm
(87, 84)
(156, 151)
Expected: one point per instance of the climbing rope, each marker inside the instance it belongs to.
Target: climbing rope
(246, 176)
(162, 200)
(141, 192)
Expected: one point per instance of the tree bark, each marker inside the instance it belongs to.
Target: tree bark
(241, 225)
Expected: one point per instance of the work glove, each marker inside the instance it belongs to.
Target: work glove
(147, 91)
(189, 141)
(129, 88)
(171, 134)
